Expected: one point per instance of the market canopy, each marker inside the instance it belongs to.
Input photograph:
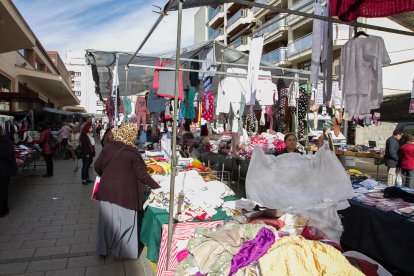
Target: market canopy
(140, 79)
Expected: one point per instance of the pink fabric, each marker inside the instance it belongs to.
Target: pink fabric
(181, 232)
(156, 82)
(279, 145)
(208, 113)
(182, 255)
(350, 10)
(140, 105)
(269, 113)
(142, 117)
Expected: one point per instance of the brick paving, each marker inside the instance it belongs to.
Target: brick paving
(52, 225)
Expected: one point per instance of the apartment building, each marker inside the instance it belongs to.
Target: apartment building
(288, 38)
(82, 82)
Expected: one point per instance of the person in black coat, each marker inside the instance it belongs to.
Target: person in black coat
(8, 168)
(391, 155)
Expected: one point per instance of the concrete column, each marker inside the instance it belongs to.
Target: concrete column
(30, 56)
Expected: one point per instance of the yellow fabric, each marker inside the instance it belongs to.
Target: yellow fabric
(295, 255)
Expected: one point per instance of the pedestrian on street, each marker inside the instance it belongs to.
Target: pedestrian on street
(64, 134)
(8, 168)
(47, 151)
(108, 136)
(73, 145)
(391, 155)
(407, 161)
(124, 178)
(87, 153)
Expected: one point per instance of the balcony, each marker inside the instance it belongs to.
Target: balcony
(241, 44)
(239, 20)
(299, 46)
(216, 17)
(275, 30)
(308, 5)
(216, 35)
(277, 56)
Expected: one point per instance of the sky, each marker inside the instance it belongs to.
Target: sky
(118, 25)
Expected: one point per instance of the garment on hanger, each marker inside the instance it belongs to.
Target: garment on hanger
(411, 107)
(189, 109)
(282, 106)
(350, 10)
(209, 65)
(293, 94)
(265, 88)
(141, 112)
(362, 59)
(208, 107)
(127, 106)
(231, 90)
(155, 103)
(253, 71)
(302, 110)
(164, 81)
(319, 41)
(193, 76)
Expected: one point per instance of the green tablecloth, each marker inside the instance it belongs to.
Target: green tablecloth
(154, 218)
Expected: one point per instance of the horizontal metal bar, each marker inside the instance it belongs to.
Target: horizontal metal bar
(217, 72)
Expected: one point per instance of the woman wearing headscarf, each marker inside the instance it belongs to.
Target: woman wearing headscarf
(87, 153)
(121, 193)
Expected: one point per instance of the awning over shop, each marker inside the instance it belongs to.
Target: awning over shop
(51, 86)
(15, 32)
(21, 96)
(78, 109)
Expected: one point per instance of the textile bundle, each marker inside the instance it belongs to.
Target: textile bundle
(350, 10)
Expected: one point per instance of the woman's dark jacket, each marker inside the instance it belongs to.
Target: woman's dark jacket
(123, 176)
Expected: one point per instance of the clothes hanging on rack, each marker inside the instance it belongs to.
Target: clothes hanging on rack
(319, 42)
(350, 10)
(208, 107)
(141, 112)
(253, 71)
(127, 106)
(302, 111)
(164, 81)
(293, 94)
(265, 88)
(282, 106)
(362, 59)
(189, 110)
(231, 90)
(193, 76)
(155, 103)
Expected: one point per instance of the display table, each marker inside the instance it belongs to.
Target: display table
(385, 236)
(154, 218)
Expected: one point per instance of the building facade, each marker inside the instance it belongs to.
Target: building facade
(288, 38)
(29, 78)
(200, 27)
(82, 82)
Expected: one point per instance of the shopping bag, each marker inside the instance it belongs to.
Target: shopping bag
(95, 187)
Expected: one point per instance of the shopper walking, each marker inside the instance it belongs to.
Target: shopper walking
(87, 153)
(73, 145)
(64, 134)
(407, 161)
(108, 136)
(121, 194)
(391, 155)
(44, 141)
(8, 168)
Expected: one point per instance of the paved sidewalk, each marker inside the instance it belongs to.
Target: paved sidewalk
(51, 228)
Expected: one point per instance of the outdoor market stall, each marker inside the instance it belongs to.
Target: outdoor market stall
(130, 63)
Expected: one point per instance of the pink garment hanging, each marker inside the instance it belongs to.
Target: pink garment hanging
(208, 113)
(156, 80)
(350, 10)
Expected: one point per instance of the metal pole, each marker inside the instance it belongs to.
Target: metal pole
(329, 63)
(174, 135)
(115, 86)
(126, 92)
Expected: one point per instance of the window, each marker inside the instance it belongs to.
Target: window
(78, 93)
(21, 51)
(77, 84)
(98, 103)
(306, 65)
(78, 74)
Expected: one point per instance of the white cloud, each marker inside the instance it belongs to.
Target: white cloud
(65, 25)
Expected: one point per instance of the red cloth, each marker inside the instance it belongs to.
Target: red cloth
(44, 142)
(407, 156)
(350, 10)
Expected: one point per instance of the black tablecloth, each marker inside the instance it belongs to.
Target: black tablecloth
(385, 236)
